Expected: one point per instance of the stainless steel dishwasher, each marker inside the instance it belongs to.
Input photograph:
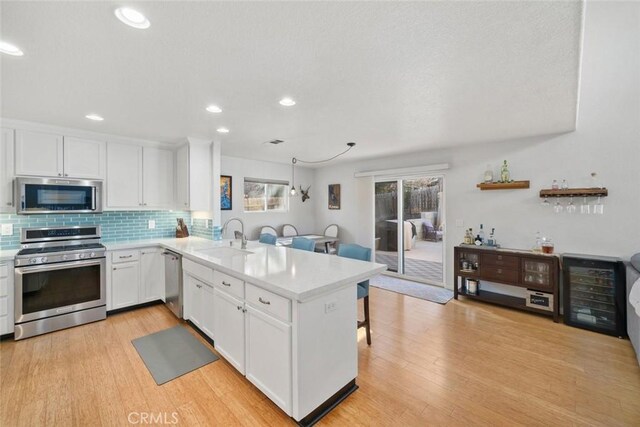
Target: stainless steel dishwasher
(173, 282)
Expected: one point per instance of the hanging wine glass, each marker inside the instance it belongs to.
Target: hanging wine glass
(571, 208)
(598, 207)
(585, 208)
(557, 207)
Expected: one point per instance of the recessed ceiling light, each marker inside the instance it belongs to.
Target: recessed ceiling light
(132, 18)
(10, 49)
(223, 130)
(214, 109)
(287, 102)
(94, 117)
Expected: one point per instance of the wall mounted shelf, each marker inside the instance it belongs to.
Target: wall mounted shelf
(574, 192)
(503, 185)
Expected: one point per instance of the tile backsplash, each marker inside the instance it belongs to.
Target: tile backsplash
(117, 226)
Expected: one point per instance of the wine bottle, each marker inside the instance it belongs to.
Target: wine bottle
(481, 233)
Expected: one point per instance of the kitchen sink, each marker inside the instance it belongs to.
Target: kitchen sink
(224, 252)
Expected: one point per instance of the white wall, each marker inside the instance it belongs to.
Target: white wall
(301, 215)
(607, 141)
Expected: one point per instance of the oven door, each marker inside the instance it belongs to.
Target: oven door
(50, 290)
(44, 195)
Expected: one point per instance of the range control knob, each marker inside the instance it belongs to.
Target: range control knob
(64, 257)
(44, 259)
(92, 254)
(33, 260)
(81, 256)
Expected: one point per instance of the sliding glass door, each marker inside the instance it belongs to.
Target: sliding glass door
(409, 227)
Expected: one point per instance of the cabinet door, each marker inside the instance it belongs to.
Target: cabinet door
(84, 158)
(6, 171)
(537, 274)
(207, 310)
(158, 177)
(228, 324)
(193, 300)
(182, 177)
(268, 356)
(124, 176)
(152, 273)
(125, 285)
(38, 153)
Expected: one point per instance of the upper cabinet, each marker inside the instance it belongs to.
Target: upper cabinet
(6, 170)
(49, 154)
(157, 177)
(139, 177)
(193, 176)
(124, 176)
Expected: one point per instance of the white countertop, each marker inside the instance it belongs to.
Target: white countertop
(8, 255)
(292, 273)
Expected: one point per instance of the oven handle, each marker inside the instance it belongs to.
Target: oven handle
(60, 266)
(93, 198)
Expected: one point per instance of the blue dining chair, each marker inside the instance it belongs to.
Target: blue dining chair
(269, 239)
(354, 251)
(303, 243)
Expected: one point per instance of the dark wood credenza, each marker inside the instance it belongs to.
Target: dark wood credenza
(524, 269)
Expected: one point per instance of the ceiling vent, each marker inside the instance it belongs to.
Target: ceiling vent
(276, 141)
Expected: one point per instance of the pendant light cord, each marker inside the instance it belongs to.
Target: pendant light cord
(295, 160)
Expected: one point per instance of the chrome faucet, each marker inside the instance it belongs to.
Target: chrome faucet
(244, 238)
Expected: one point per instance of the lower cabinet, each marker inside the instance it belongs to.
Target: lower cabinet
(199, 304)
(6, 298)
(268, 356)
(125, 284)
(152, 275)
(228, 315)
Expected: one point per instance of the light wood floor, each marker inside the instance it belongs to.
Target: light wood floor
(459, 364)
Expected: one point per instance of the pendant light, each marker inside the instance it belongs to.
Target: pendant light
(294, 160)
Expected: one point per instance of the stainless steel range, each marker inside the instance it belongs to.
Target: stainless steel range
(60, 279)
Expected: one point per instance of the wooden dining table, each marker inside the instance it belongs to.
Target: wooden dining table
(318, 238)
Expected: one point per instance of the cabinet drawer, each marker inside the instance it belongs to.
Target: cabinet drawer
(269, 302)
(4, 306)
(4, 270)
(497, 260)
(499, 274)
(4, 286)
(6, 325)
(197, 270)
(229, 284)
(125, 256)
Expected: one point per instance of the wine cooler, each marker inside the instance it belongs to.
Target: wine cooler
(594, 293)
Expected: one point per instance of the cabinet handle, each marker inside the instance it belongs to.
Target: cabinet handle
(66, 174)
(145, 204)
(114, 268)
(499, 271)
(199, 286)
(225, 283)
(239, 307)
(244, 310)
(264, 301)
(127, 256)
(59, 174)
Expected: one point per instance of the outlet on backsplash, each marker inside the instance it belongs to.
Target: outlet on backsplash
(152, 224)
(7, 229)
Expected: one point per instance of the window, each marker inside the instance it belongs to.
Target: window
(261, 195)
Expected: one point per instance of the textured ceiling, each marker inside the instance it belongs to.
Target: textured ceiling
(393, 77)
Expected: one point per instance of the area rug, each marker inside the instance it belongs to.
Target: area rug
(412, 289)
(172, 353)
(428, 270)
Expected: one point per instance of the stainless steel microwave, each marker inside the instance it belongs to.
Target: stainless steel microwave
(54, 195)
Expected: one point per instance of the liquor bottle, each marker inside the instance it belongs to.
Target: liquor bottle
(478, 241)
(492, 239)
(481, 233)
(505, 176)
(554, 185)
(564, 185)
(538, 246)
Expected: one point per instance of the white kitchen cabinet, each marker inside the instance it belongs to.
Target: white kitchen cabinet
(151, 275)
(6, 298)
(125, 284)
(39, 153)
(124, 175)
(50, 154)
(268, 356)
(228, 314)
(7, 203)
(158, 178)
(199, 304)
(84, 158)
(194, 182)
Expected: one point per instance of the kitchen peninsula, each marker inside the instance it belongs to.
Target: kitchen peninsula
(284, 318)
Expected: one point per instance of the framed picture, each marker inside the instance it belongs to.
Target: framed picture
(334, 196)
(226, 196)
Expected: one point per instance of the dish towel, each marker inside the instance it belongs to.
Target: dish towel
(634, 296)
